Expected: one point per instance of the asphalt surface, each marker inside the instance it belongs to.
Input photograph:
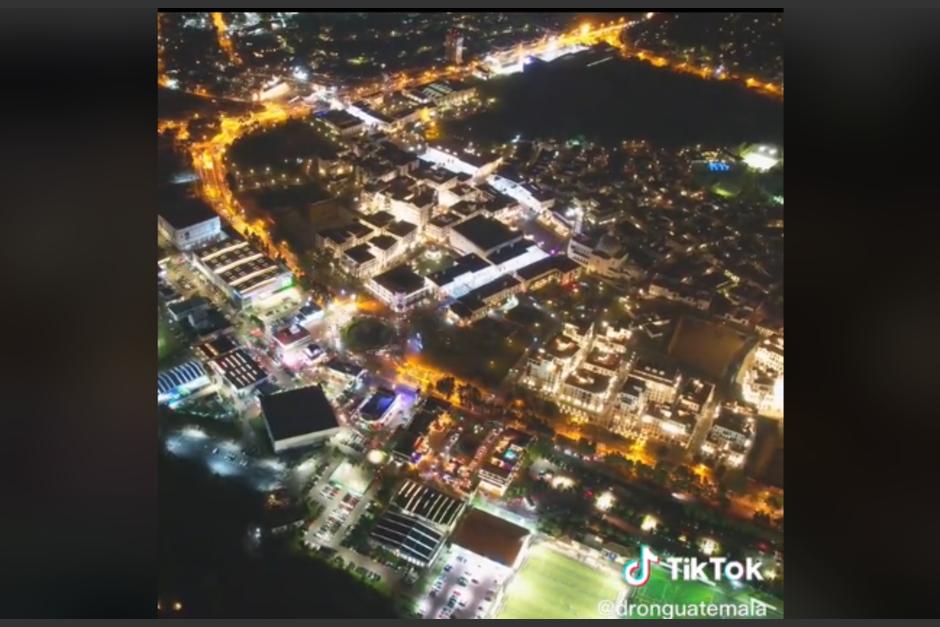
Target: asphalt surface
(454, 594)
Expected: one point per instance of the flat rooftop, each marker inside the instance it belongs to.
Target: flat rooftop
(507, 453)
(401, 228)
(603, 359)
(562, 346)
(184, 211)
(445, 219)
(490, 289)
(589, 381)
(339, 118)
(383, 242)
(633, 386)
(510, 252)
(217, 347)
(491, 537)
(291, 334)
(414, 538)
(486, 233)
(696, 390)
(476, 299)
(400, 280)
(359, 254)
(655, 370)
(734, 421)
(423, 501)
(344, 367)
(434, 173)
(463, 265)
(377, 404)
(556, 263)
(379, 219)
(298, 412)
(240, 369)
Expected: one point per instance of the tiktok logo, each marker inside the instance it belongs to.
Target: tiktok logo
(637, 572)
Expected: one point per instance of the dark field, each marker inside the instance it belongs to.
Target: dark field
(622, 99)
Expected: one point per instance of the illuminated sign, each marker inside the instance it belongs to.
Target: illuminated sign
(718, 166)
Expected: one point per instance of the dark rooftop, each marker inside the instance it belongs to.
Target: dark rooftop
(400, 280)
(379, 219)
(561, 263)
(486, 233)
(491, 537)
(445, 219)
(344, 366)
(383, 242)
(468, 263)
(298, 412)
(216, 347)
(400, 228)
(734, 421)
(509, 252)
(339, 118)
(493, 287)
(360, 254)
(184, 211)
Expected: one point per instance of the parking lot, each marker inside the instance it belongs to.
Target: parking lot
(338, 504)
(343, 492)
(226, 458)
(466, 587)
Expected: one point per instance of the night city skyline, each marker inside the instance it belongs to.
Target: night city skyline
(470, 315)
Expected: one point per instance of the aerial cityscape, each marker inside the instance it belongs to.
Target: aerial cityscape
(470, 315)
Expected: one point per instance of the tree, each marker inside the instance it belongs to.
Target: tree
(550, 409)
(541, 447)
(587, 447)
(774, 500)
(463, 392)
(476, 397)
(445, 386)
(618, 462)
(661, 472)
(734, 481)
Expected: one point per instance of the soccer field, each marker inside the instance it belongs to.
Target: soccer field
(552, 585)
(661, 589)
(168, 347)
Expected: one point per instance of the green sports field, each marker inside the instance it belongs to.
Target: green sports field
(552, 585)
(168, 347)
(661, 589)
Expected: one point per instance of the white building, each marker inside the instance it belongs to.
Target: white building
(188, 223)
(604, 256)
(585, 390)
(180, 381)
(662, 381)
(667, 424)
(547, 367)
(482, 236)
(245, 274)
(399, 288)
(730, 437)
(502, 466)
(404, 198)
(290, 339)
